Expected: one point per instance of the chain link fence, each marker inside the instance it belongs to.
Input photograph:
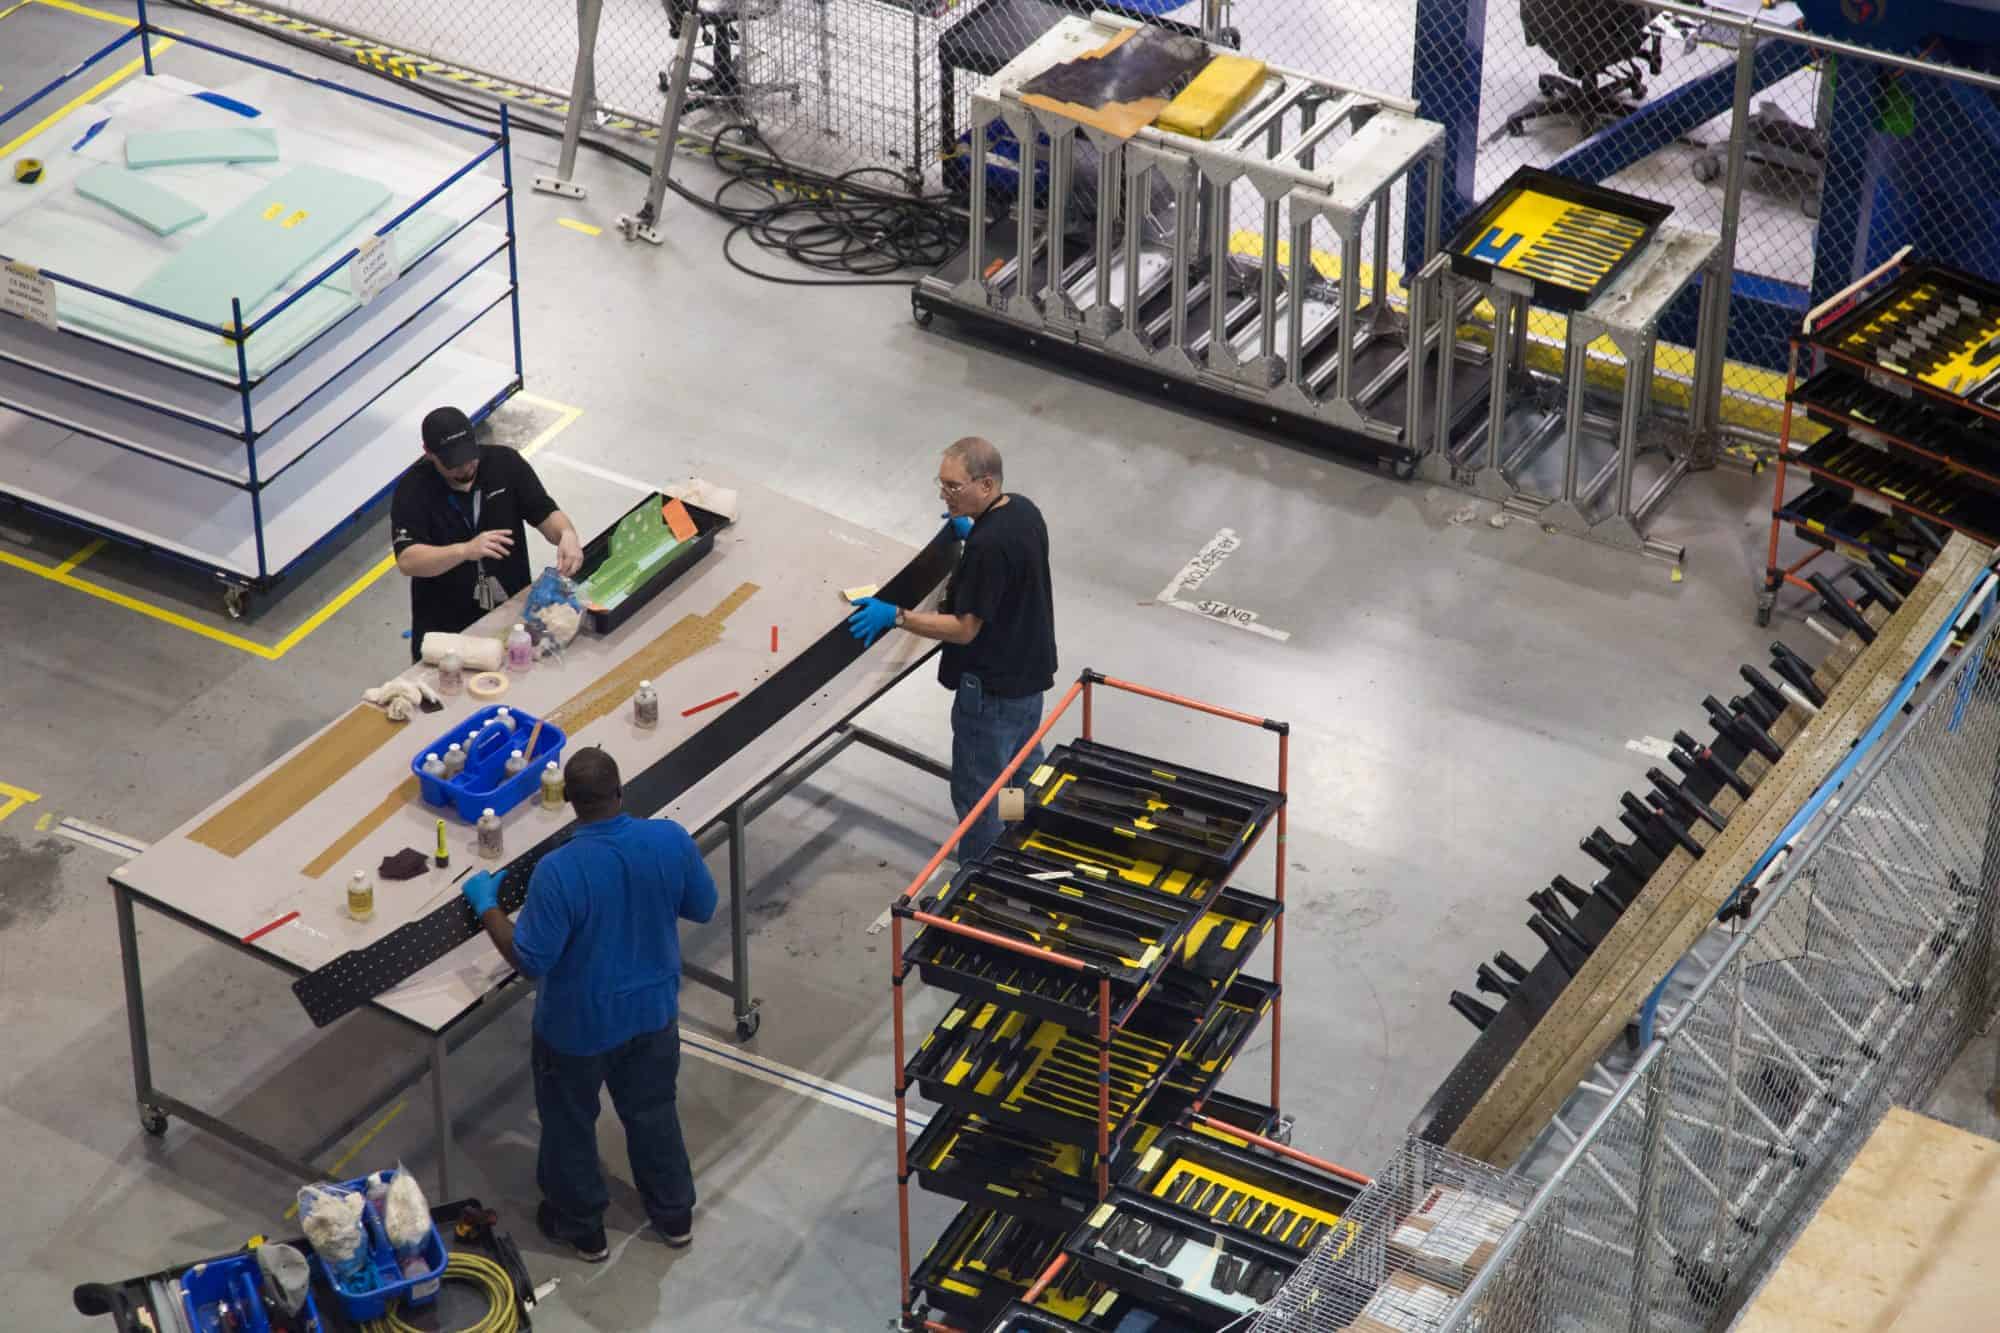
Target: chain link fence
(1864, 973)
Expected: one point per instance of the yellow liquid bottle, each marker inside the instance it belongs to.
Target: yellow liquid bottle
(360, 896)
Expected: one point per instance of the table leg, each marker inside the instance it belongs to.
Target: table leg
(441, 1108)
(151, 1117)
(739, 942)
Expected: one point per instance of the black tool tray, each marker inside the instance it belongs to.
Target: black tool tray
(1842, 396)
(1646, 213)
(598, 550)
(981, 1261)
(1138, 808)
(1040, 1078)
(1225, 1032)
(1026, 851)
(1922, 289)
(962, 1156)
(1291, 1201)
(1171, 1260)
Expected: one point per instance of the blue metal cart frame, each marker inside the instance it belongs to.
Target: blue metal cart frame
(497, 143)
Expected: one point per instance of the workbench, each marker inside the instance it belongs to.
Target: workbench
(1904, 1240)
(766, 600)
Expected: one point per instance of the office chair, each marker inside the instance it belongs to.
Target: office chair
(1601, 47)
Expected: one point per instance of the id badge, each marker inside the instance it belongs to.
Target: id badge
(489, 593)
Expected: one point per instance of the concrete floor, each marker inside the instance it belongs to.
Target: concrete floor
(1461, 699)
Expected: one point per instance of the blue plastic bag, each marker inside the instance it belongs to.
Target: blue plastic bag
(552, 588)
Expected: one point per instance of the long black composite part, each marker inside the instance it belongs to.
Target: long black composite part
(359, 975)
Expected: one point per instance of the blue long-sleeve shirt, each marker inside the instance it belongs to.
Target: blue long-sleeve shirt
(600, 931)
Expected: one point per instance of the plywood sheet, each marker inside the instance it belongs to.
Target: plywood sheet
(1903, 1244)
(239, 826)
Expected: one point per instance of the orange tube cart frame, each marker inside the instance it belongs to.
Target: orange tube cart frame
(1082, 689)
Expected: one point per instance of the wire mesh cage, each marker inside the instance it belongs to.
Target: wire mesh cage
(1410, 1244)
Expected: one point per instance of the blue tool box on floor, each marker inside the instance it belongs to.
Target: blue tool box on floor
(389, 1284)
(235, 1284)
(483, 783)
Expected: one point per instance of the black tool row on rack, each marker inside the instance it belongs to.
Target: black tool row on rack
(1905, 390)
(1570, 920)
(1117, 876)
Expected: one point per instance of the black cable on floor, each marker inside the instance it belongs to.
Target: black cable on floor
(835, 225)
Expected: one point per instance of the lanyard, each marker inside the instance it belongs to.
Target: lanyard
(475, 509)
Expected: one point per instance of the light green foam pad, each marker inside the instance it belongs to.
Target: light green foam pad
(131, 195)
(184, 148)
(264, 241)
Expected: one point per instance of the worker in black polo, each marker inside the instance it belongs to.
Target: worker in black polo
(997, 625)
(457, 520)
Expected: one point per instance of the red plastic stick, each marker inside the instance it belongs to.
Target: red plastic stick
(266, 929)
(718, 699)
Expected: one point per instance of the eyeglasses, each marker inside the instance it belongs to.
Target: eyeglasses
(950, 488)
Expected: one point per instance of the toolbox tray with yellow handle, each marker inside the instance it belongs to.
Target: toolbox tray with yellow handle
(1556, 240)
(1133, 806)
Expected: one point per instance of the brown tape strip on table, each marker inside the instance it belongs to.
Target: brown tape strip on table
(682, 640)
(239, 826)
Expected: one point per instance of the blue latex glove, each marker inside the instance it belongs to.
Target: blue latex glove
(960, 525)
(872, 616)
(482, 890)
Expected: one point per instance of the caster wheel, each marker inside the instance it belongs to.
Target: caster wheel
(1403, 469)
(1707, 168)
(153, 1120)
(746, 1026)
(1281, 1132)
(236, 601)
(921, 317)
(1810, 206)
(1763, 615)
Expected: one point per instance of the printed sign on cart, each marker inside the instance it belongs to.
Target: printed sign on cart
(26, 294)
(374, 268)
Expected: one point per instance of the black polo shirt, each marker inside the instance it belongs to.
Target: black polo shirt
(1003, 578)
(426, 511)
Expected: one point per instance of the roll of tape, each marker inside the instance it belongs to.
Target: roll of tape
(486, 685)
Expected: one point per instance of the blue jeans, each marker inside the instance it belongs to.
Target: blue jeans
(986, 731)
(641, 1074)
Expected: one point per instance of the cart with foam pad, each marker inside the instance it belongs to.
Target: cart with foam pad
(236, 315)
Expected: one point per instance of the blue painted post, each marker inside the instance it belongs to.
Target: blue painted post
(1446, 67)
(242, 336)
(145, 38)
(513, 242)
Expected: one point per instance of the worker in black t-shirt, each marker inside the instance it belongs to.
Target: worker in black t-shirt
(997, 625)
(456, 521)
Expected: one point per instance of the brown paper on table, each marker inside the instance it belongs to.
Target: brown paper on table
(1121, 120)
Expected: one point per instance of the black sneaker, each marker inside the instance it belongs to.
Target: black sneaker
(679, 1236)
(592, 1249)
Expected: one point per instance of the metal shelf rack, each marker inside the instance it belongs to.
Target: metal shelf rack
(242, 471)
(1108, 1020)
(1916, 453)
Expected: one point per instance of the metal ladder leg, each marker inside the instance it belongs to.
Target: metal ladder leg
(645, 226)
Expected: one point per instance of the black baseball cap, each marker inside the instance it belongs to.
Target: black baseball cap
(448, 437)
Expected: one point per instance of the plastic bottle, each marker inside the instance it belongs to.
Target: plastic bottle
(451, 674)
(646, 705)
(489, 835)
(552, 788)
(454, 760)
(434, 766)
(361, 896)
(516, 763)
(520, 649)
(505, 717)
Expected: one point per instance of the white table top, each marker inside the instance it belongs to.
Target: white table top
(799, 558)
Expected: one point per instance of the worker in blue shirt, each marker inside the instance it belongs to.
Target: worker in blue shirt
(599, 931)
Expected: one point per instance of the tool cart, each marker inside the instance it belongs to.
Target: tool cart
(1895, 426)
(1098, 956)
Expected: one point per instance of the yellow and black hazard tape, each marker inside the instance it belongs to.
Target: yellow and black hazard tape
(410, 66)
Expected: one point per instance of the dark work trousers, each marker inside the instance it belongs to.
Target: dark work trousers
(640, 1074)
(986, 732)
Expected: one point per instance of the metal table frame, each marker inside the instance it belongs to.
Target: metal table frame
(156, 1105)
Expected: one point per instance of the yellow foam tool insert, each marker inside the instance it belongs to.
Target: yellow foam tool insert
(1215, 95)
